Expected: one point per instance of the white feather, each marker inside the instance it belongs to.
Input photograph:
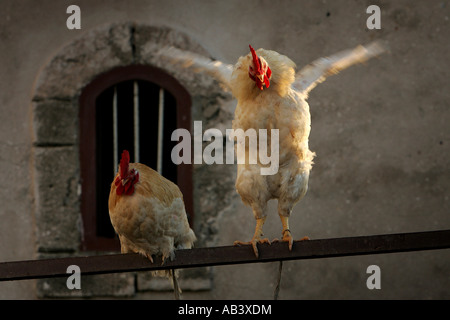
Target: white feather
(198, 63)
(317, 71)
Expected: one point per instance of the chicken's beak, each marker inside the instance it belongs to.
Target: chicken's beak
(260, 77)
(124, 181)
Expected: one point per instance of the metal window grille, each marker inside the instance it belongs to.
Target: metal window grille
(131, 115)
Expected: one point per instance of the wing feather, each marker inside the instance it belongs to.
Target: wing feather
(317, 71)
(198, 63)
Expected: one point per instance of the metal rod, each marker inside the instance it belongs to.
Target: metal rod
(213, 256)
(136, 120)
(115, 133)
(159, 161)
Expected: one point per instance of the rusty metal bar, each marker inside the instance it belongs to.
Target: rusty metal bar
(201, 257)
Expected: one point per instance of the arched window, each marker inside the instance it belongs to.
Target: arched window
(64, 154)
(134, 108)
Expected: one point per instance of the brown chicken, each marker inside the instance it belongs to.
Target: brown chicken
(147, 212)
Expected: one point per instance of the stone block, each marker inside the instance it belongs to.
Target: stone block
(55, 122)
(100, 285)
(147, 39)
(150, 41)
(58, 216)
(197, 279)
(83, 59)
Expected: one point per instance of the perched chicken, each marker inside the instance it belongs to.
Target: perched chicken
(147, 211)
(271, 95)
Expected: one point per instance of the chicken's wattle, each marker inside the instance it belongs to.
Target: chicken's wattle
(126, 185)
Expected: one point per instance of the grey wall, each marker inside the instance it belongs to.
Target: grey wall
(380, 132)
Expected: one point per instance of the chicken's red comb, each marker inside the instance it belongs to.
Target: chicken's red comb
(124, 162)
(255, 60)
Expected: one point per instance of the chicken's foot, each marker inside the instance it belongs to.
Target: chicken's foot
(257, 237)
(286, 233)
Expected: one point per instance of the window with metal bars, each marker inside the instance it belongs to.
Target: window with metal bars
(134, 108)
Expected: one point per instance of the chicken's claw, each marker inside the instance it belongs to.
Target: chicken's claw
(287, 237)
(253, 243)
(149, 257)
(165, 256)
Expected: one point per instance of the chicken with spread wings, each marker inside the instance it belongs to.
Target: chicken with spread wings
(272, 95)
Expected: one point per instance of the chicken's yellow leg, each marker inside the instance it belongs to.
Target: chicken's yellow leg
(286, 233)
(256, 237)
(287, 236)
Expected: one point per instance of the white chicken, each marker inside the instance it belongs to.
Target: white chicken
(271, 95)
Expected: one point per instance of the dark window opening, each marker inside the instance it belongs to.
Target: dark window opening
(134, 108)
(144, 106)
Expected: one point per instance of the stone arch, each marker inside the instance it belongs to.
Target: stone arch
(55, 106)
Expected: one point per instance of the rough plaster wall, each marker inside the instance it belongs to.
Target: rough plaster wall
(380, 132)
